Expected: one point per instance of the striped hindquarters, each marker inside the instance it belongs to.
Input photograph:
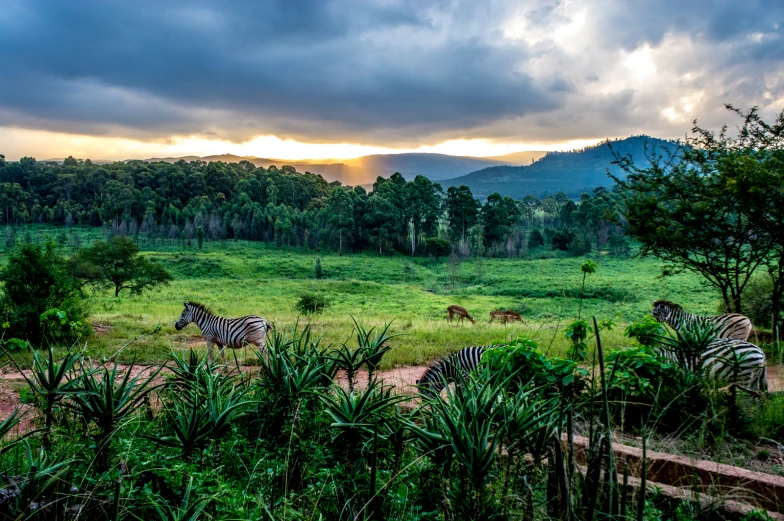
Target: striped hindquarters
(736, 361)
(451, 368)
(728, 359)
(235, 332)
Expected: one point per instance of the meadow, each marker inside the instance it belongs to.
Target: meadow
(237, 278)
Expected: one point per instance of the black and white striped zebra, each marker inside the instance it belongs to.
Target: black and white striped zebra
(453, 367)
(224, 332)
(729, 325)
(730, 360)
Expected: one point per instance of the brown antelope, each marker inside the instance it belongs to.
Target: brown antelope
(498, 314)
(505, 316)
(460, 312)
(513, 316)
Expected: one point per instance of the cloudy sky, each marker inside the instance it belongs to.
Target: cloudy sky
(341, 78)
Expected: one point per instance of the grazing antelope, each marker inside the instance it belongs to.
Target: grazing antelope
(498, 314)
(513, 316)
(461, 314)
(505, 316)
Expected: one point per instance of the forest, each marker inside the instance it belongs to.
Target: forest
(188, 200)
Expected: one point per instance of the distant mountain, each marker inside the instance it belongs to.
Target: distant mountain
(433, 166)
(519, 158)
(573, 172)
(364, 170)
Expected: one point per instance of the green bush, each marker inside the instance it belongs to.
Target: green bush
(310, 303)
(437, 247)
(535, 238)
(522, 361)
(579, 246)
(562, 238)
(36, 280)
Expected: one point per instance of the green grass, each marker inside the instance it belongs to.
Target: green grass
(240, 278)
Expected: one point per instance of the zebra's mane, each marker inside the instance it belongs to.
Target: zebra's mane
(199, 305)
(667, 303)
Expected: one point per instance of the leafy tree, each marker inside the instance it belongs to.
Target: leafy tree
(704, 207)
(424, 205)
(35, 280)
(463, 211)
(498, 215)
(340, 209)
(562, 238)
(117, 263)
(437, 247)
(535, 238)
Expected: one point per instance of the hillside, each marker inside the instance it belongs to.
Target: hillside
(433, 166)
(573, 172)
(364, 170)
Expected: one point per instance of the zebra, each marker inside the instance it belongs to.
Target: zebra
(453, 367)
(224, 332)
(738, 362)
(729, 325)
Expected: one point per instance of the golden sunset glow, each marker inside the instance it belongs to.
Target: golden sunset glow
(54, 145)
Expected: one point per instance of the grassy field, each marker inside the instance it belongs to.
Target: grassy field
(239, 278)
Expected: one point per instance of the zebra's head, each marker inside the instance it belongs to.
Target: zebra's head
(186, 317)
(432, 381)
(662, 309)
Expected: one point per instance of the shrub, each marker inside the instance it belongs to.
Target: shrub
(535, 239)
(619, 246)
(523, 360)
(318, 271)
(562, 238)
(437, 247)
(36, 280)
(310, 303)
(578, 246)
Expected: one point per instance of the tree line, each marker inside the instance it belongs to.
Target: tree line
(195, 201)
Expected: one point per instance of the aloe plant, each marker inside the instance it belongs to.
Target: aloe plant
(106, 400)
(373, 346)
(50, 382)
(349, 361)
(464, 423)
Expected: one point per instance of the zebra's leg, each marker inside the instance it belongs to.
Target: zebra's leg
(209, 351)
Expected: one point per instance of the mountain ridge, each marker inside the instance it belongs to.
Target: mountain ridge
(572, 172)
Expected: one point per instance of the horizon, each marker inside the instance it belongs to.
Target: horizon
(340, 79)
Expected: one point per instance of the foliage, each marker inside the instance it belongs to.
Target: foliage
(310, 303)
(526, 365)
(646, 331)
(107, 400)
(318, 270)
(577, 332)
(117, 263)
(535, 238)
(700, 208)
(36, 280)
(462, 210)
(437, 247)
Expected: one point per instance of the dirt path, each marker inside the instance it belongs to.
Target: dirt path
(402, 378)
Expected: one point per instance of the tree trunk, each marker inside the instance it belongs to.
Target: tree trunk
(116, 291)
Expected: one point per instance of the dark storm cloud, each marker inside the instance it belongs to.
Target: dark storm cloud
(354, 65)
(391, 71)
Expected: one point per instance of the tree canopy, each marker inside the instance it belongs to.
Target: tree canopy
(713, 206)
(116, 263)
